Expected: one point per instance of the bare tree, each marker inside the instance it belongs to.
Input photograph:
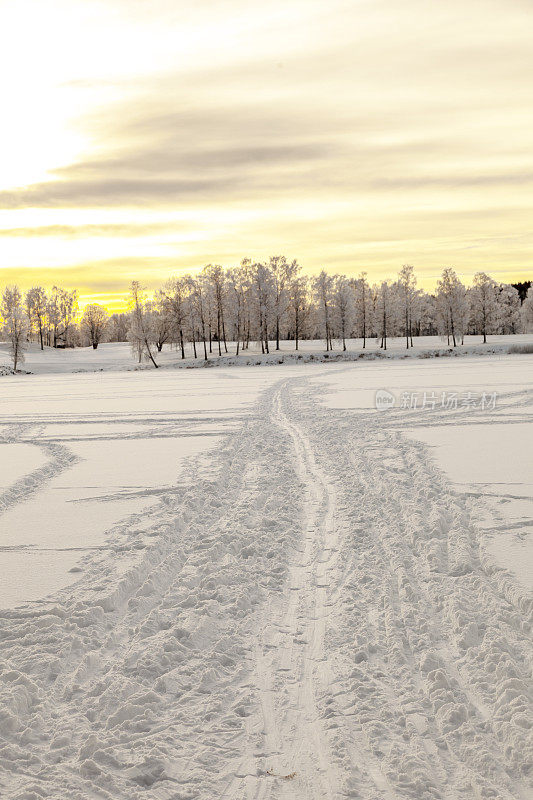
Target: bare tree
(15, 323)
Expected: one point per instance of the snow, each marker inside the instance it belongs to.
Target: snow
(118, 356)
(250, 583)
(113, 448)
(494, 455)
(487, 456)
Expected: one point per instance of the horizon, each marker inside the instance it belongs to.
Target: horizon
(360, 137)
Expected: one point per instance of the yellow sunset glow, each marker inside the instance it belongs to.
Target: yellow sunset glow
(144, 139)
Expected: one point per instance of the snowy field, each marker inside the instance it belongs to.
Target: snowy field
(118, 355)
(251, 583)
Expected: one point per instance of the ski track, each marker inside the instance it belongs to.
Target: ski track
(59, 460)
(318, 620)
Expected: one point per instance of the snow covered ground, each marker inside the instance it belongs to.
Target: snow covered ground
(118, 355)
(251, 583)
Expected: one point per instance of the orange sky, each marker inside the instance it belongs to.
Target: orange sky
(145, 139)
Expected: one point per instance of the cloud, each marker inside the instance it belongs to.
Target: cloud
(355, 135)
(93, 230)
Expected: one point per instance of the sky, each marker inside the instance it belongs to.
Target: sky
(146, 138)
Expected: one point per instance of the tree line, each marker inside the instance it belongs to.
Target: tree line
(265, 303)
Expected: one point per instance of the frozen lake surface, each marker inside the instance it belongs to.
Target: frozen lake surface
(249, 582)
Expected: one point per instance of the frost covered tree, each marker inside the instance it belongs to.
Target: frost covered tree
(452, 305)
(140, 334)
(282, 272)
(247, 282)
(119, 324)
(342, 307)
(159, 321)
(200, 310)
(174, 296)
(362, 307)
(299, 307)
(385, 310)
(483, 295)
(526, 312)
(15, 324)
(62, 310)
(270, 300)
(263, 301)
(508, 309)
(215, 274)
(423, 320)
(407, 298)
(237, 286)
(36, 306)
(323, 288)
(94, 324)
